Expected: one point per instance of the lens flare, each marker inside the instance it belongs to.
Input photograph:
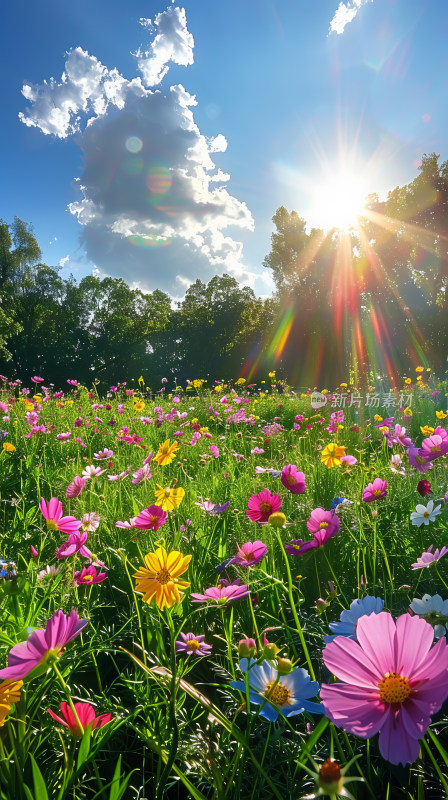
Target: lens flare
(149, 240)
(133, 144)
(158, 180)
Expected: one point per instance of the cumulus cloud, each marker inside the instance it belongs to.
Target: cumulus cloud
(153, 206)
(172, 42)
(345, 13)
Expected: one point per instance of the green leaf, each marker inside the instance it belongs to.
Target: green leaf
(84, 747)
(40, 788)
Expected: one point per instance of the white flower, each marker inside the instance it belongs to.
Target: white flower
(423, 515)
(434, 610)
(90, 522)
(92, 472)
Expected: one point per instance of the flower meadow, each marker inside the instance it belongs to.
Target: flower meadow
(216, 591)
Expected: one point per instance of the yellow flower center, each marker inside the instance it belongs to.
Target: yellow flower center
(154, 519)
(193, 645)
(376, 492)
(291, 480)
(276, 693)
(394, 688)
(426, 514)
(436, 449)
(323, 526)
(87, 579)
(265, 507)
(163, 576)
(420, 460)
(51, 525)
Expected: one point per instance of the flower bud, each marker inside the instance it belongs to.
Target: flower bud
(330, 777)
(284, 666)
(277, 519)
(424, 488)
(247, 648)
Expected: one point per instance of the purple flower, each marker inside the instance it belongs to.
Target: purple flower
(222, 594)
(419, 459)
(249, 554)
(42, 644)
(323, 524)
(375, 491)
(192, 645)
(293, 480)
(428, 558)
(74, 544)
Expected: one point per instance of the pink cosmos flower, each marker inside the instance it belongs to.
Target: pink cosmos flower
(434, 446)
(64, 436)
(419, 459)
(127, 525)
(90, 522)
(293, 480)
(262, 505)
(88, 575)
(142, 474)
(120, 475)
(392, 681)
(76, 543)
(36, 379)
(350, 460)
(222, 594)
(192, 645)
(75, 488)
(428, 558)
(323, 524)
(102, 454)
(214, 450)
(375, 491)
(151, 518)
(54, 517)
(86, 716)
(92, 472)
(42, 644)
(249, 554)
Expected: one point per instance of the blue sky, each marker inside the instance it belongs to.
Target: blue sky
(281, 103)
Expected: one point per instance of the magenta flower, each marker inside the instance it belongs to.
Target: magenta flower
(249, 554)
(42, 645)
(350, 460)
(424, 488)
(434, 446)
(419, 459)
(293, 480)
(102, 454)
(88, 575)
(392, 681)
(86, 716)
(222, 594)
(262, 505)
(36, 379)
(55, 520)
(429, 558)
(76, 543)
(192, 645)
(323, 524)
(151, 519)
(375, 491)
(75, 488)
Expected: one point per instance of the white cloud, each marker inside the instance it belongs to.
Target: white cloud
(173, 42)
(63, 261)
(148, 200)
(345, 13)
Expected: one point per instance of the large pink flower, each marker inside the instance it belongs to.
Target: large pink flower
(375, 491)
(434, 446)
(262, 505)
(321, 520)
(292, 479)
(76, 543)
(392, 681)
(42, 644)
(249, 554)
(150, 519)
(53, 514)
(86, 716)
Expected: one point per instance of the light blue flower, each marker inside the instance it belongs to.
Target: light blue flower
(434, 610)
(285, 694)
(349, 617)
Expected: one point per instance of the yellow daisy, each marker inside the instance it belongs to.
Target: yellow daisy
(139, 405)
(426, 430)
(159, 580)
(9, 694)
(168, 499)
(419, 369)
(8, 447)
(166, 453)
(441, 415)
(332, 454)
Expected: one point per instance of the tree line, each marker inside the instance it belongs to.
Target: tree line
(371, 300)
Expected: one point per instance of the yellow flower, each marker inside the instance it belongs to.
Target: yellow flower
(194, 420)
(159, 579)
(271, 374)
(198, 383)
(28, 406)
(168, 499)
(203, 430)
(9, 694)
(262, 394)
(377, 418)
(428, 369)
(140, 380)
(427, 430)
(441, 415)
(68, 402)
(139, 405)
(38, 398)
(419, 369)
(8, 447)
(240, 381)
(332, 454)
(166, 453)
(408, 380)
(219, 388)
(408, 412)
(370, 388)
(344, 385)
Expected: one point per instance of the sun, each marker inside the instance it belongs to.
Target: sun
(339, 201)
